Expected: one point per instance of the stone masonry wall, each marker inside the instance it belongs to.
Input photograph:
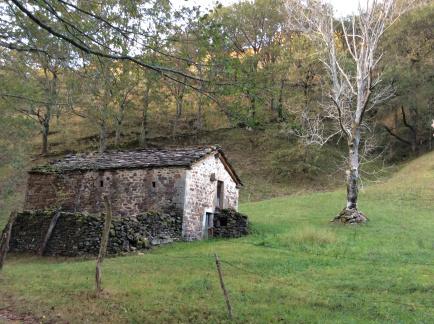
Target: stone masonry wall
(229, 223)
(201, 194)
(79, 234)
(132, 191)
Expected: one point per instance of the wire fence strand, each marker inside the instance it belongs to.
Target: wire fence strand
(285, 281)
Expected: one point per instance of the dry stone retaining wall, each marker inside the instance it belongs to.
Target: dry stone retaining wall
(229, 223)
(79, 233)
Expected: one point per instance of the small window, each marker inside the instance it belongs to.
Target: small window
(153, 184)
(101, 183)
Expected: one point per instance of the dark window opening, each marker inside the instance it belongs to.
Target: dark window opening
(219, 194)
(101, 183)
(153, 184)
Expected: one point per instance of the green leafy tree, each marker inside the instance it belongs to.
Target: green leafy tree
(409, 53)
(250, 38)
(33, 86)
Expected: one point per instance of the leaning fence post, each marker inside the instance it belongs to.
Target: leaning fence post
(53, 223)
(103, 244)
(6, 235)
(222, 285)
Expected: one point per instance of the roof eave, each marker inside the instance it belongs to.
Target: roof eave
(57, 171)
(229, 168)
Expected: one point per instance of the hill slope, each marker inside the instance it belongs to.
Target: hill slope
(295, 267)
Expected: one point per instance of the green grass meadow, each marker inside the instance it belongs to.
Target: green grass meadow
(296, 267)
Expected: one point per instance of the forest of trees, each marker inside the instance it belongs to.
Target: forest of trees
(144, 68)
(246, 64)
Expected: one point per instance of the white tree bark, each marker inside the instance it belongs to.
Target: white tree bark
(350, 58)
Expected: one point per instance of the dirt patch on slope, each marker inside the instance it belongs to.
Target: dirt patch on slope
(9, 316)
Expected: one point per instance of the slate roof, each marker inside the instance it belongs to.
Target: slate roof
(145, 158)
(137, 159)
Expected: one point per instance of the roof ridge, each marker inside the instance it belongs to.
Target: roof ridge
(162, 148)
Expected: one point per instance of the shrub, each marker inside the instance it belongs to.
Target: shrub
(296, 161)
(304, 161)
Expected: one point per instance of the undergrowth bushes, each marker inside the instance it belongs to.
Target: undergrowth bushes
(303, 161)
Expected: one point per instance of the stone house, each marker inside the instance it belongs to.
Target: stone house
(196, 182)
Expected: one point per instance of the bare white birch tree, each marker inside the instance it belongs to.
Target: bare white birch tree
(350, 55)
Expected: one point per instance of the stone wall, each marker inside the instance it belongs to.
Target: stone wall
(201, 194)
(229, 223)
(79, 233)
(132, 191)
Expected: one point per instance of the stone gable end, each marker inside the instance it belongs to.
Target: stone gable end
(201, 194)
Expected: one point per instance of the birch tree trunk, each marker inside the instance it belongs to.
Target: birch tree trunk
(353, 171)
(350, 214)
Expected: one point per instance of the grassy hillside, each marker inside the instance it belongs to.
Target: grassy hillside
(295, 267)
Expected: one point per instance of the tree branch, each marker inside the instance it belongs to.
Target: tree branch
(404, 120)
(346, 132)
(88, 50)
(396, 135)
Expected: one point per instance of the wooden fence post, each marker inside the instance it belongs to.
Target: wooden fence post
(49, 232)
(103, 244)
(6, 235)
(222, 285)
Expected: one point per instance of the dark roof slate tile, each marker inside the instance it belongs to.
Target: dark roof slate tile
(145, 158)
